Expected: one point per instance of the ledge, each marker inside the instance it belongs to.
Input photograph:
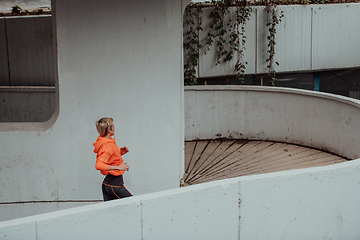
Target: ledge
(347, 100)
(27, 89)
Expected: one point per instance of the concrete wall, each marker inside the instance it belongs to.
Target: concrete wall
(307, 32)
(27, 104)
(315, 203)
(121, 59)
(324, 121)
(304, 38)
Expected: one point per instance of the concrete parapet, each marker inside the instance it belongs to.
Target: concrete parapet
(320, 120)
(297, 204)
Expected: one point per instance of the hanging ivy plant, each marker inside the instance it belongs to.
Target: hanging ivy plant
(243, 14)
(228, 37)
(274, 17)
(217, 29)
(191, 42)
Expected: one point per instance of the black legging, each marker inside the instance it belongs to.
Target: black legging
(113, 188)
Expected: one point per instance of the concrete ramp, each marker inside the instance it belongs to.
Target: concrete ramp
(210, 160)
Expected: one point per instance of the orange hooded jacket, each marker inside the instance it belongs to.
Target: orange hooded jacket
(108, 153)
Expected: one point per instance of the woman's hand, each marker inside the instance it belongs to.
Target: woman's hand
(121, 167)
(124, 150)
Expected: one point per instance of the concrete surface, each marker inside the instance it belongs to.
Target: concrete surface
(315, 203)
(105, 67)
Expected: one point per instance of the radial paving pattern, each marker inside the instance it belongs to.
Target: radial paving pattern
(219, 159)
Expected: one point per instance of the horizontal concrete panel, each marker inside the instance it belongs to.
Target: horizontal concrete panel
(94, 222)
(192, 213)
(336, 34)
(308, 38)
(17, 210)
(320, 203)
(18, 231)
(24, 106)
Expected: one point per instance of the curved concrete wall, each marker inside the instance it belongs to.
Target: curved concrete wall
(324, 121)
(299, 204)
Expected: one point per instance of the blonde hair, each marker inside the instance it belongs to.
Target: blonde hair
(104, 125)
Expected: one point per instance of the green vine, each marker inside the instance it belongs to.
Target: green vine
(218, 32)
(217, 29)
(191, 42)
(242, 16)
(274, 19)
(229, 37)
(16, 9)
(236, 38)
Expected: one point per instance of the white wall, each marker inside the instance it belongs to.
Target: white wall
(315, 203)
(121, 59)
(320, 120)
(303, 39)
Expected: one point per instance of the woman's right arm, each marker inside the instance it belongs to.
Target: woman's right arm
(121, 167)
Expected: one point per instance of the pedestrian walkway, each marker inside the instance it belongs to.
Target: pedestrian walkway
(210, 160)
